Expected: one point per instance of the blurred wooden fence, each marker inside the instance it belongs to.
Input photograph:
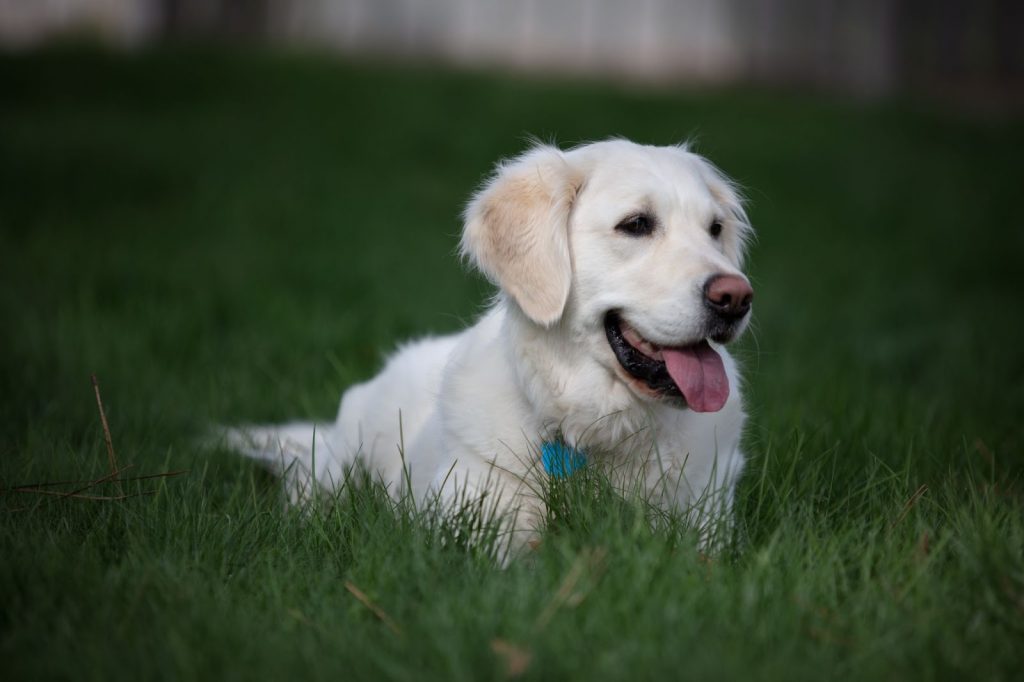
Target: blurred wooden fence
(869, 46)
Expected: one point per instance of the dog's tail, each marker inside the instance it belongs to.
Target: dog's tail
(296, 452)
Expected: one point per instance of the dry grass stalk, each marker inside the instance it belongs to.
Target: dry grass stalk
(111, 457)
(377, 611)
(78, 496)
(910, 504)
(33, 487)
(515, 658)
(113, 476)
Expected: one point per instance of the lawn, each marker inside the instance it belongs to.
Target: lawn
(226, 237)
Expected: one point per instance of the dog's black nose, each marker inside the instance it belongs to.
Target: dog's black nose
(728, 295)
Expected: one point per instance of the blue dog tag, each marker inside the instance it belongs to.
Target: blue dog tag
(561, 460)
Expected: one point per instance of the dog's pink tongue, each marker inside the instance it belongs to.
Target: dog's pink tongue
(700, 375)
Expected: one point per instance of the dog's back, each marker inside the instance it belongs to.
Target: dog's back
(378, 421)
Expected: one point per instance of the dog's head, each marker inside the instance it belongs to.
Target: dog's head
(634, 250)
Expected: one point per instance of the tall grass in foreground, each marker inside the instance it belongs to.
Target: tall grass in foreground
(865, 576)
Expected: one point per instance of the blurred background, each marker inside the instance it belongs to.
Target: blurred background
(219, 162)
(971, 53)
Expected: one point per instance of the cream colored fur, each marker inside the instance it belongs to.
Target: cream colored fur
(476, 405)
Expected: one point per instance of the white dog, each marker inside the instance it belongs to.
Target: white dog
(618, 268)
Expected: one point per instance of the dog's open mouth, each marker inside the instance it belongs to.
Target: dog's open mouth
(694, 372)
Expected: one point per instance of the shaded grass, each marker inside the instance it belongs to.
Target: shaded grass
(230, 237)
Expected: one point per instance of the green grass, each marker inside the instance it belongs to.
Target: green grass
(229, 237)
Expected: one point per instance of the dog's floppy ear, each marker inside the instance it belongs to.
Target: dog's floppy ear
(517, 231)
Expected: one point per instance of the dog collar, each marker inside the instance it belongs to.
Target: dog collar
(561, 460)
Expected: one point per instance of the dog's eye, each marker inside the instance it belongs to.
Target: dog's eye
(715, 229)
(639, 225)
